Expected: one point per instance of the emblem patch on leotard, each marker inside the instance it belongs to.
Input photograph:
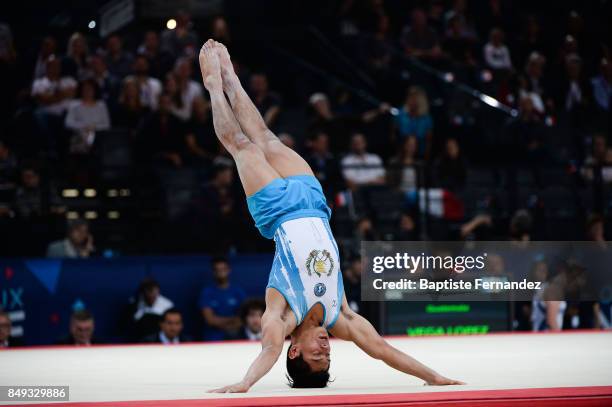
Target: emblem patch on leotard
(319, 289)
(319, 262)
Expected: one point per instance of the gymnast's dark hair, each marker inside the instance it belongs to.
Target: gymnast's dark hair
(301, 376)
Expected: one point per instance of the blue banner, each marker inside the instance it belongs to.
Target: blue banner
(40, 294)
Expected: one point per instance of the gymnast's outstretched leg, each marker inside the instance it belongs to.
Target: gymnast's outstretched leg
(283, 159)
(254, 170)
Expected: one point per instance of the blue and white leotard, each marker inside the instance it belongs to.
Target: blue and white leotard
(306, 268)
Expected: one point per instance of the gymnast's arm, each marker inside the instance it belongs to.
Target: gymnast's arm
(353, 327)
(273, 338)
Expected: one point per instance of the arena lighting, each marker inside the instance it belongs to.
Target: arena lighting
(70, 193)
(113, 215)
(124, 192)
(171, 24)
(491, 101)
(449, 77)
(72, 215)
(90, 193)
(91, 215)
(112, 193)
(92, 24)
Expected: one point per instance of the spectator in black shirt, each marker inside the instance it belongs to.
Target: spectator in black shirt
(129, 111)
(159, 62)
(202, 145)
(82, 328)
(268, 103)
(352, 283)
(108, 84)
(451, 167)
(162, 135)
(170, 329)
(324, 165)
(119, 62)
(419, 40)
(75, 61)
(223, 209)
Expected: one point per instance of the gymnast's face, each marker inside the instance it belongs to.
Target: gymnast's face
(313, 346)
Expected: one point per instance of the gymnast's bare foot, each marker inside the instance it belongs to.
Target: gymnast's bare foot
(227, 68)
(210, 66)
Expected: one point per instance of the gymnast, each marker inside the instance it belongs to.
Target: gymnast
(305, 294)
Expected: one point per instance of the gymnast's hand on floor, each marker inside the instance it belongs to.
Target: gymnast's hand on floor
(442, 381)
(239, 387)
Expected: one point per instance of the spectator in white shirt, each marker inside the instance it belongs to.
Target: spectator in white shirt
(187, 88)
(85, 117)
(361, 168)
(53, 91)
(150, 88)
(147, 310)
(496, 53)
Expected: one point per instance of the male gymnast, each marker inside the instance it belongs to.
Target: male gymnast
(305, 295)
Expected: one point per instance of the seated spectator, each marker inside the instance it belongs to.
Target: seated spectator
(130, 111)
(82, 328)
(451, 167)
(6, 340)
(77, 244)
(162, 134)
(187, 89)
(48, 47)
(31, 199)
(532, 84)
(182, 40)
(268, 103)
(220, 304)
(75, 62)
(602, 86)
(150, 88)
(573, 93)
(119, 62)
(106, 82)
(402, 172)
(419, 40)
(223, 208)
(526, 133)
(459, 43)
(220, 30)
(147, 309)
(250, 314)
(597, 157)
(352, 283)
(407, 228)
(324, 165)
(85, 117)
(202, 144)
(360, 168)
(159, 62)
(414, 120)
(496, 53)
(170, 329)
(53, 94)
